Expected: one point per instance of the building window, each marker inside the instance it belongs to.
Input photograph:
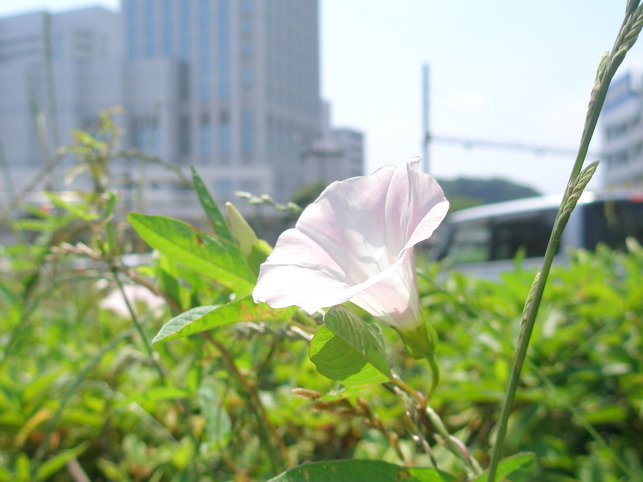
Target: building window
(205, 136)
(132, 14)
(247, 132)
(150, 49)
(168, 27)
(184, 136)
(223, 50)
(246, 76)
(246, 27)
(186, 30)
(246, 49)
(205, 76)
(225, 141)
(57, 47)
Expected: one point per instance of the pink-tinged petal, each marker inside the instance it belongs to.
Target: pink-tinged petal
(355, 243)
(393, 296)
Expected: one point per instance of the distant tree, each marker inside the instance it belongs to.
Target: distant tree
(464, 192)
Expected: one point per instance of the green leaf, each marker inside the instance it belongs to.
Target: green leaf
(205, 318)
(211, 208)
(241, 229)
(86, 139)
(154, 394)
(353, 470)
(517, 468)
(204, 253)
(348, 349)
(23, 468)
(78, 211)
(58, 461)
(218, 424)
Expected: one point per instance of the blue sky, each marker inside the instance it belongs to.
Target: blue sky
(501, 70)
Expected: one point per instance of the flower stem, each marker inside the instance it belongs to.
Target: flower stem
(146, 343)
(455, 446)
(435, 375)
(626, 38)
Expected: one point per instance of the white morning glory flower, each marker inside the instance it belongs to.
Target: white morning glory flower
(355, 243)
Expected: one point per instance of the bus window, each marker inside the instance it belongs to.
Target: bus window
(611, 222)
(470, 242)
(529, 232)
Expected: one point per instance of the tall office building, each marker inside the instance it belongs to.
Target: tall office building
(244, 101)
(228, 86)
(622, 128)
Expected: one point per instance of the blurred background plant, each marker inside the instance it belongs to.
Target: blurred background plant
(85, 395)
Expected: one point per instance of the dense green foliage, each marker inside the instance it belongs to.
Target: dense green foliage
(83, 390)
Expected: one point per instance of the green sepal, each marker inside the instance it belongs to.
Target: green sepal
(419, 342)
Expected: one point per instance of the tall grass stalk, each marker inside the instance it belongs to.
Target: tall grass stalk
(627, 36)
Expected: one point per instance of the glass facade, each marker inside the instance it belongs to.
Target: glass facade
(223, 48)
(132, 18)
(225, 139)
(230, 65)
(205, 64)
(205, 136)
(186, 29)
(247, 132)
(150, 31)
(168, 28)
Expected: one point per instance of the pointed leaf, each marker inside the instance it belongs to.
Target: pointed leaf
(517, 468)
(348, 349)
(203, 252)
(352, 470)
(77, 210)
(205, 318)
(154, 394)
(241, 229)
(211, 208)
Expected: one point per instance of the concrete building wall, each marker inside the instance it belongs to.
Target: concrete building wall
(622, 132)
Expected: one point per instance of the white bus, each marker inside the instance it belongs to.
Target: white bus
(483, 241)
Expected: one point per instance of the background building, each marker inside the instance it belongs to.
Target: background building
(622, 129)
(56, 71)
(230, 87)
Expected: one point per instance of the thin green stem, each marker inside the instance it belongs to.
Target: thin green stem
(417, 396)
(139, 328)
(628, 34)
(435, 378)
(456, 447)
